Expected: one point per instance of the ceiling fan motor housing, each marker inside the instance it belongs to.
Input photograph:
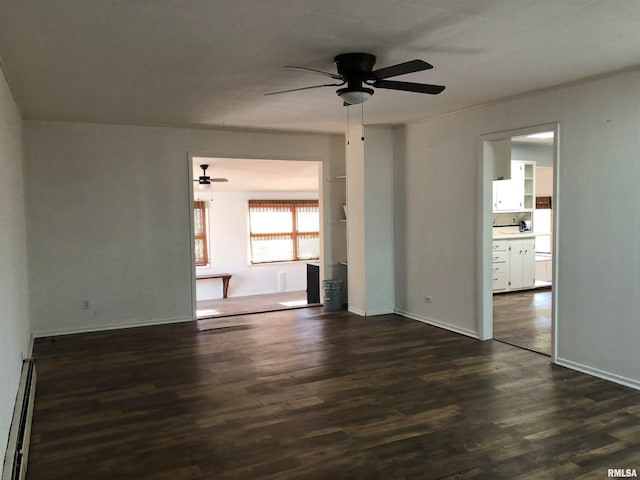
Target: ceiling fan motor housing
(356, 66)
(204, 179)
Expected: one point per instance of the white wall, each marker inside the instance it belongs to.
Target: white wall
(438, 235)
(531, 152)
(109, 216)
(544, 181)
(15, 330)
(378, 200)
(229, 247)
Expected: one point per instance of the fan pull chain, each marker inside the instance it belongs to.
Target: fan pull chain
(348, 133)
(362, 118)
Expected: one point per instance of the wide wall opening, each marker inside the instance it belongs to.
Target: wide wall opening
(257, 233)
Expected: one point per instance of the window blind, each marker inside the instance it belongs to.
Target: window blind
(200, 229)
(284, 230)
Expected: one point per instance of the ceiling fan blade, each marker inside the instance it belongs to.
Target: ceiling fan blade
(219, 180)
(335, 76)
(401, 69)
(409, 86)
(306, 88)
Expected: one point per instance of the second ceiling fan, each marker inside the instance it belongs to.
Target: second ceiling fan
(356, 76)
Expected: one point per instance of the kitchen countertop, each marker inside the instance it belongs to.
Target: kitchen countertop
(511, 236)
(512, 233)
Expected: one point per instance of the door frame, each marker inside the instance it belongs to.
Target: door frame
(485, 233)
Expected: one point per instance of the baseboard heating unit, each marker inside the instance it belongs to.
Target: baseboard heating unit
(15, 461)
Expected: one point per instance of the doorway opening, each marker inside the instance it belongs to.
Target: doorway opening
(519, 297)
(256, 226)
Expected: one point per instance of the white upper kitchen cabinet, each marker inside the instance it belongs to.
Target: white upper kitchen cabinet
(501, 191)
(517, 193)
(517, 186)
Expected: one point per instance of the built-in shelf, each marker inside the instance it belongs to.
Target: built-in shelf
(343, 220)
(343, 263)
(341, 177)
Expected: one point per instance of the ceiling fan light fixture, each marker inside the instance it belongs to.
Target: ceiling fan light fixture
(354, 96)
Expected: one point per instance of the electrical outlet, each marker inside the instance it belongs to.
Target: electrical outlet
(86, 305)
(428, 300)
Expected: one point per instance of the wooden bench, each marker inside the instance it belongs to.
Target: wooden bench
(225, 281)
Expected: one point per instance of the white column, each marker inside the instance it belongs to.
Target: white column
(370, 222)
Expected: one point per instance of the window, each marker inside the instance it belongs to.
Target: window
(284, 230)
(543, 225)
(200, 228)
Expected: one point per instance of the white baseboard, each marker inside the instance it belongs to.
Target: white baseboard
(436, 323)
(370, 313)
(381, 311)
(17, 451)
(101, 328)
(29, 352)
(612, 377)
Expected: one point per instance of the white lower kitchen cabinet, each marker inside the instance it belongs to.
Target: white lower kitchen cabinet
(513, 264)
(500, 265)
(522, 264)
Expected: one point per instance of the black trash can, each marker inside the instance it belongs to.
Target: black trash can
(332, 295)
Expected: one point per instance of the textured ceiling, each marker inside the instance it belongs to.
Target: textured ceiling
(207, 62)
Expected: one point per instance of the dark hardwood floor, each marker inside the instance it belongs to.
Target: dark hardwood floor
(524, 319)
(303, 394)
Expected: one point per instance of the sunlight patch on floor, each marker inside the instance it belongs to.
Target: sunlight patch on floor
(294, 303)
(203, 313)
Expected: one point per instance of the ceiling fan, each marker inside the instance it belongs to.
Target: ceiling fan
(205, 179)
(355, 70)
